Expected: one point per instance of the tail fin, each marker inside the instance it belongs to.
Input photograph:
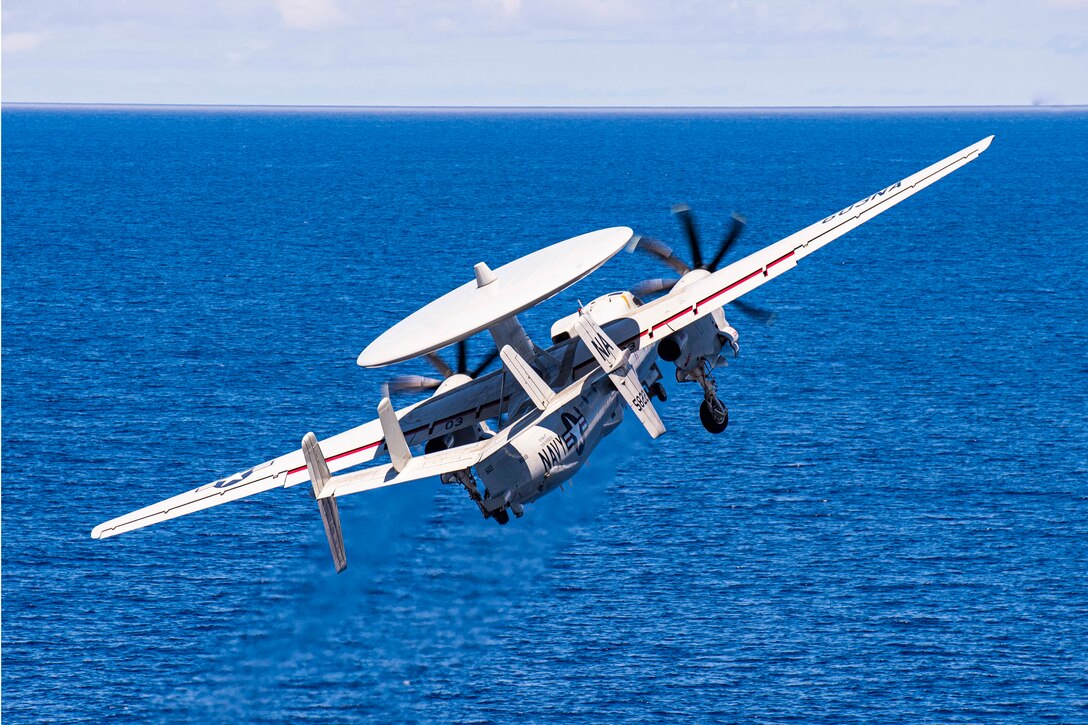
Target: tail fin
(533, 385)
(395, 442)
(623, 375)
(330, 514)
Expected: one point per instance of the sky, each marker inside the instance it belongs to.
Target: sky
(546, 52)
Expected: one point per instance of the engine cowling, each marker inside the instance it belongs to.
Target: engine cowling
(672, 347)
(701, 341)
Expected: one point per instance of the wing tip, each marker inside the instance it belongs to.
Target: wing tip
(984, 143)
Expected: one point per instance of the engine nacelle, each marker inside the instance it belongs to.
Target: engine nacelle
(672, 347)
(701, 341)
(462, 436)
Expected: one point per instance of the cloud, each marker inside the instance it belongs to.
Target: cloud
(627, 52)
(22, 42)
(309, 14)
(505, 8)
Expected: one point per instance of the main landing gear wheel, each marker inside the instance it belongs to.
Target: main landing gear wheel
(658, 391)
(714, 423)
(502, 516)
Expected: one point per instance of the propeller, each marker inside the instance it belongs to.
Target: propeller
(422, 383)
(666, 254)
(687, 220)
(648, 287)
(410, 384)
(728, 241)
(756, 313)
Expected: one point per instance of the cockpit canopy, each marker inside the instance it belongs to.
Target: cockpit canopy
(602, 310)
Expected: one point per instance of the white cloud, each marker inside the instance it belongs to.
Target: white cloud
(628, 52)
(22, 42)
(506, 8)
(309, 14)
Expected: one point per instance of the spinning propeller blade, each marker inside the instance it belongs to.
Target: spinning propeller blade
(663, 252)
(439, 364)
(728, 241)
(666, 254)
(756, 313)
(421, 383)
(688, 221)
(483, 366)
(648, 287)
(410, 384)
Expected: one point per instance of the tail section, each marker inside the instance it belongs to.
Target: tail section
(395, 442)
(330, 514)
(623, 375)
(533, 385)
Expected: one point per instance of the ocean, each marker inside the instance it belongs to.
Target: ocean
(893, 529)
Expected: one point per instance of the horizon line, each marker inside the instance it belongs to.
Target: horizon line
(524, 108)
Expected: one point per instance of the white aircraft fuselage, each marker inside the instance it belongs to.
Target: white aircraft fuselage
(549, 452)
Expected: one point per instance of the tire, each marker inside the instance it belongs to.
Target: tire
(659, 392)
(707, 418)
(502, 516)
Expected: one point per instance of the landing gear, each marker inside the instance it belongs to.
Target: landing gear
(715, 416)
(501, 515)
(657, 390)
(468, 481)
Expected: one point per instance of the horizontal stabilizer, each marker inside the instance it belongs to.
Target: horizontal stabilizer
(330, 513)
(425, 466)
(535, 387)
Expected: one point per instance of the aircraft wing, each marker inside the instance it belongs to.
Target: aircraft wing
(347, 449)
(458, 408)
(679, 309)
(487, 396)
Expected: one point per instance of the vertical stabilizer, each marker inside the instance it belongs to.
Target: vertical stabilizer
(624, 377)
(330, 514)
(534, 386)
(399, 453)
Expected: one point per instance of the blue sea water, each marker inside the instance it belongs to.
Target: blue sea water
(894, 528)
